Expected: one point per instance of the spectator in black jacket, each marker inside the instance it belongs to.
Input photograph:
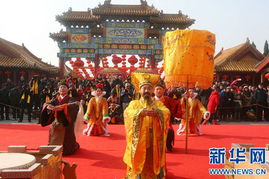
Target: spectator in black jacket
(26, 102)
(107, 87)
(4, 101)
(260, 97)
(118, 80)
(227, 101)
(14, 98)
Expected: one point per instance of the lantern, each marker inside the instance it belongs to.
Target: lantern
(266, 76)
(116, 60)
(22, 73)
(8, 73)
(123, 61)
(79, 63)
(141, 64)
(225, 77)
(216, 76)
(237, 76)
(105, 62)
(132, 60)
(123, 64)
(247, 77)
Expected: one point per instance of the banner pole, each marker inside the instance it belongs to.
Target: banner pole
(187, 116)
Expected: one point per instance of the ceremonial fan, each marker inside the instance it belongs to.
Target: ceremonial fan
(188, 61)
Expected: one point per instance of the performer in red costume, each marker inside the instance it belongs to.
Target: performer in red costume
(174, 108)
(213, 102)
(61, 113)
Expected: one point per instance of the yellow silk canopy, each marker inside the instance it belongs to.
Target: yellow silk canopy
(188, 58)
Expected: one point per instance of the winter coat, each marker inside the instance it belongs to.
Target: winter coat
(213, 102)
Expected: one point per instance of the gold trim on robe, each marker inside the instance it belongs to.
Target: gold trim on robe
(146, 139)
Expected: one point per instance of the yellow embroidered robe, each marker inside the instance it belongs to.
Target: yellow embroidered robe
(97, 109)
(195, 114)
(146, 140)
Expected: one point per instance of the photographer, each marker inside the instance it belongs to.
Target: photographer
(126, 95)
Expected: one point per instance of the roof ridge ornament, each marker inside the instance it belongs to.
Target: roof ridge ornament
(90, 11)
(247, 41)
(108, 2)
(144, 2)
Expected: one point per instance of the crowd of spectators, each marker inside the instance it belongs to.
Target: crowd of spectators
(237, 101)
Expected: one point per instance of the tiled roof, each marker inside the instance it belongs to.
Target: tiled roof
(112, 10)
(236, 58)
(125, 10)
(60, 36)
(245, 65)
(77, 16)
(172, 19)
(15, 56)
(262, 64)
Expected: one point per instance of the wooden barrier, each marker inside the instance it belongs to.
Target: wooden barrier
(48, 164)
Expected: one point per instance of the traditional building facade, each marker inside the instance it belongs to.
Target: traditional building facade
(115, 29)
(239, 62)
(17, 61)
(262, 68)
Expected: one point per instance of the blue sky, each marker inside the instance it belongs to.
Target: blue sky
(31, 21)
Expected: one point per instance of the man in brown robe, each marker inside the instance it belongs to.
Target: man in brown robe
(61, 113)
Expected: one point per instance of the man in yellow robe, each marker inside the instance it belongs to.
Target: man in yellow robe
(146, 124)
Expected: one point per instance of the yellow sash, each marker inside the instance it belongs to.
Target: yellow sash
(34, 87)
(47, 99)
(23, 96)
(28, 99)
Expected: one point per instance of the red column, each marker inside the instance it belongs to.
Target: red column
(96, 63)
(61, 68)
(152, 61)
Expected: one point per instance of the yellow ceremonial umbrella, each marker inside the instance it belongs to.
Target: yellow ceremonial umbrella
(188, 60)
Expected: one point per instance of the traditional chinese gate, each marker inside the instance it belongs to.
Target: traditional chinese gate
(115, 29)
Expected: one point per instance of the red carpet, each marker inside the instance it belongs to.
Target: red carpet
(101, 157)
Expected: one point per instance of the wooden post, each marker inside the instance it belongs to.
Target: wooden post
(96, 64)
(152, 61)
(61, 67)
(186, 115)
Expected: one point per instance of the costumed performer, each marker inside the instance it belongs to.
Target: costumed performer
(61, 113)
(213, 102)
(146, 123)
(175, 111)
(195, 112)
(97, 113)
